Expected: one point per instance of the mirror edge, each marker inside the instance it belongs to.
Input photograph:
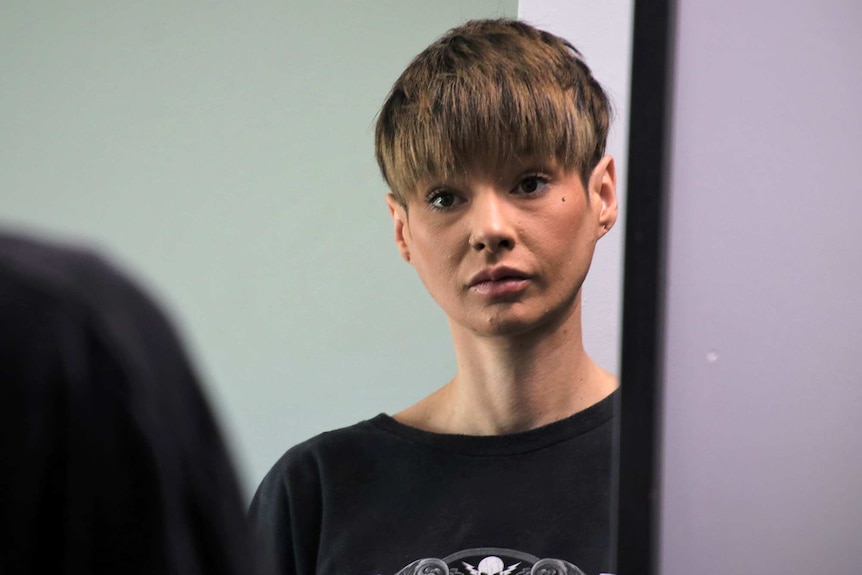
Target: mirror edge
(638, 483)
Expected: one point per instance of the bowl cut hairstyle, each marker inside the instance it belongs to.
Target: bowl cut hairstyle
(488, 93)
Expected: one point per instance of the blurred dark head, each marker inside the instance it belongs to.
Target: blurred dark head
(112, 462)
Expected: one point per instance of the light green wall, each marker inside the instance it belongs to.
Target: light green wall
(223, 152)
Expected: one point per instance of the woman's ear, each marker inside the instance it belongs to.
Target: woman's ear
(400, 223)
(603, 191)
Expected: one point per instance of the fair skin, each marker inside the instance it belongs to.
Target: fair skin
(505, 254)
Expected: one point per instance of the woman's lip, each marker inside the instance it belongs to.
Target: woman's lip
(497, 274)
(504, 286)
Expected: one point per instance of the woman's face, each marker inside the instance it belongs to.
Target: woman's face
(503, 253)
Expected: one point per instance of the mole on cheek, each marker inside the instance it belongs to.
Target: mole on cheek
(564, 198)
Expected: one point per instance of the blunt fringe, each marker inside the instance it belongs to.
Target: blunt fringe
(488, 93)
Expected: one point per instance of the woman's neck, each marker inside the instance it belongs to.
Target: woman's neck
(513, 383)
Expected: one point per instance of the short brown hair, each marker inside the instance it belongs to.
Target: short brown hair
(489, 92)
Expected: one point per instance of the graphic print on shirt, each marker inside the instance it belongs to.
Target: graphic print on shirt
(490, 561)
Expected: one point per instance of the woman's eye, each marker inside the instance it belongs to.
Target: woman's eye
(443, 200)
(531, 185)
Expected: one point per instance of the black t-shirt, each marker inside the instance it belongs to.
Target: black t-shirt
(381, 498)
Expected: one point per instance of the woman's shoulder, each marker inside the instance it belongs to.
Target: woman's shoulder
(306, 460)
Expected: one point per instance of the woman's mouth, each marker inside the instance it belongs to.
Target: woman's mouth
(499, 281)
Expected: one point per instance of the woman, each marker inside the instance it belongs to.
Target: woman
(492, 142)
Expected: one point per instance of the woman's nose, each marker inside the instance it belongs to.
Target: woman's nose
(491, 226)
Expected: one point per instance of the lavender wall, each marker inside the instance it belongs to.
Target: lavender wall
(762, 436)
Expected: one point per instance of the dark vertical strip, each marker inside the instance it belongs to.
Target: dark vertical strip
(642, 344)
